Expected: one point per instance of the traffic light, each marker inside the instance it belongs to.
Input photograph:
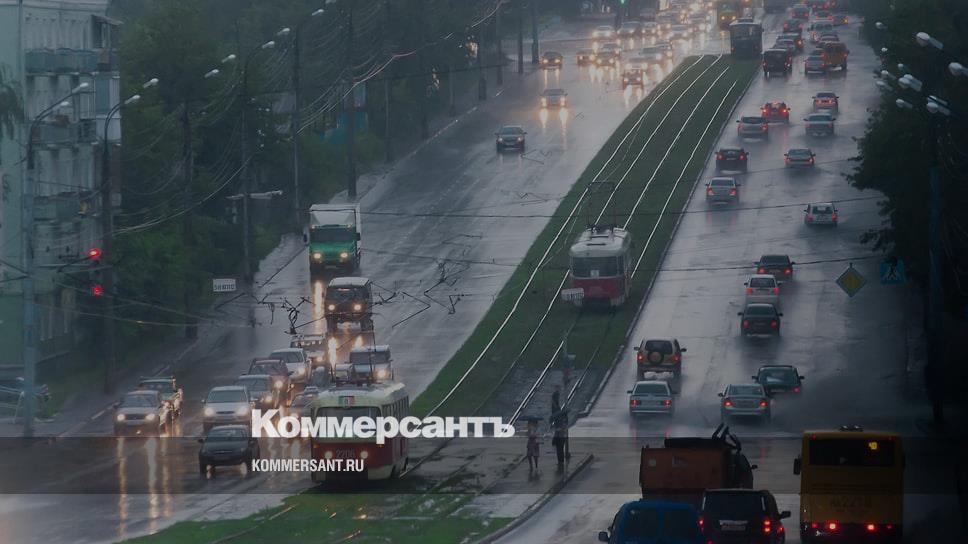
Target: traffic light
(97, 290)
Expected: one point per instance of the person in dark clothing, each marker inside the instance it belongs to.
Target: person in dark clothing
(559, 422)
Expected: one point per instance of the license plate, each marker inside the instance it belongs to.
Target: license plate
(727, 525)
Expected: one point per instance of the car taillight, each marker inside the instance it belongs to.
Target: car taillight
(767, 526)
(833, 217)
(709, 191)
(732, 192)
(719, 156)
(676, 358)
(788, 271)
(727, 402)
(810, 219)
(749, 290)
(667, 402)
(870, 527)
(765, 127)
(633, 402)
(702, 522)
(774, 324)
(796, 389)
(811, 160)
(742, 157)
(776, 290)
(640, 357)
(832, 525)
(762, 403)
(830, 125)
(761, 270)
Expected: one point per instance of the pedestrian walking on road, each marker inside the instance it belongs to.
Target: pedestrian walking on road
(532, 449)
(559, 422)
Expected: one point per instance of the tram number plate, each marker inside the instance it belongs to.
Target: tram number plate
(572, 294)
(345, 454)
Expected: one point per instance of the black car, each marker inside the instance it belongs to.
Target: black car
(732, 158)
(227, 445)
(777, 61)
(260, 389)
(510, 137)
(760, 319)
(779, 379)
(742, 515)
(552, 60)
(780, 266)
(793, 36)
(793, 25)
(277, 369)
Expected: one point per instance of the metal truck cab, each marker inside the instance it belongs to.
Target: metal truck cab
(333, 237)
(349, 300)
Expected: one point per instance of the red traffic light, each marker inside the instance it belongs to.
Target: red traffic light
(97, 290)
(94, 253)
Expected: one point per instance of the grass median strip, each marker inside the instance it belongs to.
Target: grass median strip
(670, 144)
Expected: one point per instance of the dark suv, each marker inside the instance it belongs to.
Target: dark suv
(741, 515)
(777, 61)
(277, 370)
(780, 266)
(732, 158)
(659, 355)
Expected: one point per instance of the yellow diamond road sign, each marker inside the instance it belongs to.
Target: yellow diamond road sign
(851, 281)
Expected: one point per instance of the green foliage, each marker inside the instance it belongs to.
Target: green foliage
(895, 154)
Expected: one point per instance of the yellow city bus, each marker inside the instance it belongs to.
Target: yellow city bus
(851, 486)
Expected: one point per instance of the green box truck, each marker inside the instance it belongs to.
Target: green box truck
(334, 237)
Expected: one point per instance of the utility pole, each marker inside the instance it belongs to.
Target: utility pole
(246, 183)
(498, 39)
(107, 253)
(452, 106)
(295, 124)
(387, 138)
(482, 76)
(30, 315)
(534, 31)
(520, 15)
(188, 235)
(425, 86)
(350, 109)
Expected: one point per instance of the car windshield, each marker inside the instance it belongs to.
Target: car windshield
(288, 357)
(771, 376)
(762, 282)
(265, 368)
(160, 386)
(554, 92)
(819, 118)
(331, 234)
(752, 120)
(254, 384)
(226, 395)
(745, 391)
(603, 29)
(511, 131)
(822, 209)
(719, 182)
(799, 153)
(651, 389)
(341, 294)
(662, 346)
(733, 505)
(223, 434)
(369, 356)
(775, 259)
(760, 310)
(826, 95)
(731, 152)
(138, 401)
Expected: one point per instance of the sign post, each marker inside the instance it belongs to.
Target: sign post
(223, 285)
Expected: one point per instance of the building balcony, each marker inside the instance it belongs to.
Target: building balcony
(62, 133)
(61, 61)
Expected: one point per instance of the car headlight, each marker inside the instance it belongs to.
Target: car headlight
(381, 374)
(544, 61)
(241, 411)
(278, 384)
(357, 307)
(267, 398)
(544, 101)
(120, 417)
(331, 307)
(364, 454)
(344, 255)
(151, 417)
(209, 412)
(318, 256)
(300, 371)
(520, 139)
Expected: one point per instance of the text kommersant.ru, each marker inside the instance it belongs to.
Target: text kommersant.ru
(269, 424)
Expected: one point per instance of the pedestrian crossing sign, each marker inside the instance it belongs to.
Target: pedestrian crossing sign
(892, 272)
(851, 281)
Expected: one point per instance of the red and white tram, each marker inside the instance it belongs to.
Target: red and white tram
(600, 266)
(373, 400)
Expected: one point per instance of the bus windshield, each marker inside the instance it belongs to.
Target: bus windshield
(853, 452)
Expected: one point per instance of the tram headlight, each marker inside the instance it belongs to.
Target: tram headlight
(364, 454)
(328, 454)
(209, 411)
(357, 307)
(331, 307)
(317, 256)
(344, 255)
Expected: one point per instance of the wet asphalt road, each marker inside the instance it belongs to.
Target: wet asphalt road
(852, 351)
(425, 319)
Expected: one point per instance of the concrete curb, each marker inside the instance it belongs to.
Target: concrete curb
(648, 291)
(539, 504)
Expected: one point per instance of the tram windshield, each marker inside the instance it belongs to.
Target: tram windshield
(594, 267)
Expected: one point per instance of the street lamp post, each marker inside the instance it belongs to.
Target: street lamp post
(107, 244)
(27, 255)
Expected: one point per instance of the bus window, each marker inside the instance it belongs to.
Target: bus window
(854, 452)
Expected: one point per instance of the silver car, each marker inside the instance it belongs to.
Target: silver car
(753, 127)
(762, 288)
(722, 189)
(297, 362)
(826, 100)
(745, 400)
(651, 397)
(814, 64)
(820, 213)
(141, 412)
(819, 124)
(226, 405)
